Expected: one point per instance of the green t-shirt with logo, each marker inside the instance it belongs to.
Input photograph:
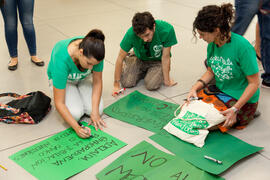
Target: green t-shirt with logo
(62, 68)
(231, 63)
(164, 36)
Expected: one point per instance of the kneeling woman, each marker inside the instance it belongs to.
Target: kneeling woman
(231, 60)
(72, 61)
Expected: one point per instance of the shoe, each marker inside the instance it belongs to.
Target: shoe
(12, 68)
(265, 84)
(40, 63)
(256, 114)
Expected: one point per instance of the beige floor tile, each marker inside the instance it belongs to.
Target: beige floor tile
(57, 20)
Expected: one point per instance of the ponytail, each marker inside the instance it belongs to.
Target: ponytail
(93, 45)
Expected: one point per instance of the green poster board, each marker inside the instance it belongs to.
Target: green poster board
(65, 154)
(142, 111)
(221, 146)
(145, 162)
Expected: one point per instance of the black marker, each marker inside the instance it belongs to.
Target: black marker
(80, 124)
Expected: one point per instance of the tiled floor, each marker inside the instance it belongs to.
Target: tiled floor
(57, 20)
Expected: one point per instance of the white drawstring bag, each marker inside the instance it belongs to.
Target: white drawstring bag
(193, 121)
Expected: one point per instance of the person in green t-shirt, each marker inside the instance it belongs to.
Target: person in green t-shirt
(151, 41)
(72, 61)
(231, 61)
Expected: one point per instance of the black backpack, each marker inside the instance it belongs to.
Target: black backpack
(30, 108)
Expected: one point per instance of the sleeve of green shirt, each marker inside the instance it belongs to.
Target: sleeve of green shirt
(99, 66)
(248, 61)
(59, 73)
(171, 38)
(126, 43)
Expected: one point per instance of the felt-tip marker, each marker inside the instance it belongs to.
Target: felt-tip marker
(80, 124)
(3, 167)
(193, 98)
(120, 91)
(213, 159)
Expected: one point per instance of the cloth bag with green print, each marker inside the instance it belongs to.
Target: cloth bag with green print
(193, 121)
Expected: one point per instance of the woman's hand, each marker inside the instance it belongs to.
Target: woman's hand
(83, 132)
(97, 121)
(230, 117)
(192, 93)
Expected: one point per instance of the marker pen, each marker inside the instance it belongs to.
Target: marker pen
(80, 124)
(213, 159)
(120, 91)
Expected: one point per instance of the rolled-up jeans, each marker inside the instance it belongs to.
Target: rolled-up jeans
(264, 22)
(9, 12)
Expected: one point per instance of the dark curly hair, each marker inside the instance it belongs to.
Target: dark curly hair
(212, 17)
(142, 21)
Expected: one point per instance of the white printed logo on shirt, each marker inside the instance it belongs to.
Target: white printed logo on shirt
(158, 50)
(221, 67)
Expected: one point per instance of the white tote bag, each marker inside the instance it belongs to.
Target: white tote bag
(193, 121)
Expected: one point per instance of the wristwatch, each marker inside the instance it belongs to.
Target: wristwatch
(235, 110)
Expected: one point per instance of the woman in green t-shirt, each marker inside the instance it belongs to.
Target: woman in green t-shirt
(72, 61)
(231, 61)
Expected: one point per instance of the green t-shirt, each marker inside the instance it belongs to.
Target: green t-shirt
(164, 36)
(62, 68)
(231, 63)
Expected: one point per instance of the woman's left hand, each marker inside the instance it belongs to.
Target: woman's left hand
(97, 121)
(230, 117)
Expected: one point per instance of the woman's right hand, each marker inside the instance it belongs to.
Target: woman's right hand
(83, 132)
(192, 93)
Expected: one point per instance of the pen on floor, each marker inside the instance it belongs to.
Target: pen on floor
(213, 159)
(120, 91)
(3, 167)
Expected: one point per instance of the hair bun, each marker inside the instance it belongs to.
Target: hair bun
(96, 34)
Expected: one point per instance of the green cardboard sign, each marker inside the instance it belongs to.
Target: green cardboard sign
(66, 154)
(220, 146)
(142, 111)
(145, 162)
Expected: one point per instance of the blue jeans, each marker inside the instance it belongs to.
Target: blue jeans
(9, 12)
(264, 22)
(245, 12)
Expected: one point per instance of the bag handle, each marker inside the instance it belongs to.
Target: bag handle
(9, 108)
(15, 95)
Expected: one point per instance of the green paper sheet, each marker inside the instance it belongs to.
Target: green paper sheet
(223, 147)
(142, 111)
(145, 162)
(65, 154)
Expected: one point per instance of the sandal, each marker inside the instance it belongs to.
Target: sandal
(39, 63)
(13, 67)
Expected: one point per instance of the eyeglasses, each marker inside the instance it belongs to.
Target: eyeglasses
(147, 48)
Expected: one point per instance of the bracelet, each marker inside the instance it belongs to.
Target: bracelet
(117, 81)
(235, 110)
(202, 81)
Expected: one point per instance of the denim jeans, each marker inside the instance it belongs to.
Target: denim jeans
(245, 11)
(264, 22)
(9, 12)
